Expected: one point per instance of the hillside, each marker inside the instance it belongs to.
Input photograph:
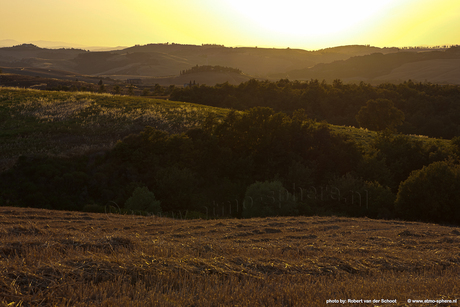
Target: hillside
(162, 63)
(431, 66)
(440, 71)
(86, 259)
(166, 60)
(67, 124)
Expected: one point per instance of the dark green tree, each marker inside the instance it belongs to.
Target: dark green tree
(158, 89)
(101, 88)
(143, 200)
(131, 89)
(117, 89)
(400, 154)
(176, 188)
(268, 198)
(380, 114)
(357, 197)
(431, 194)
(145, 92)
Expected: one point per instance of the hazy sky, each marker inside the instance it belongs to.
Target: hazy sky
(302, 24)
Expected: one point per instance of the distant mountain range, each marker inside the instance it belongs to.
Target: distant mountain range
(163, 63)
(57, 45)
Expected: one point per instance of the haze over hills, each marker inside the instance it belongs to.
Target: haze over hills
(433, 66)
(56, 45)
(163, 63)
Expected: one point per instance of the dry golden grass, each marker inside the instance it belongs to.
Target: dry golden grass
(58, 258)
(364, 137)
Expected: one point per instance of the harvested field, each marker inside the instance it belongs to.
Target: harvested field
(59, 258)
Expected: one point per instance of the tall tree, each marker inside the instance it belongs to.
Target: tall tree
(380, 114)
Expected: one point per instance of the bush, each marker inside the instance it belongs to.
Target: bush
(267, 198)
(356, 197)
(431, 194)
(176, 188)
(381, 201)
(143, 200)
(455, 145)
(146, 92)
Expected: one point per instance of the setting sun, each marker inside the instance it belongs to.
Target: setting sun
(307, 18)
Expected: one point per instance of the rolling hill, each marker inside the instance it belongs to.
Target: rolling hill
(44, 122)
(162, 63)
(167, 60)
(431, 66)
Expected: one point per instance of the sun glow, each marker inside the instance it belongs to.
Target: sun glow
(306, 24)
(309, 18)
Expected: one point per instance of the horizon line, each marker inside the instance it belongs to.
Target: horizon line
(63, 45)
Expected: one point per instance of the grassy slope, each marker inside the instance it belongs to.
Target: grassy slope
(66, 123)
(58, 258)
(364, 136)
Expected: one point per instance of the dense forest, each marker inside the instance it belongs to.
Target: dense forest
(253, 163)
(429, 109)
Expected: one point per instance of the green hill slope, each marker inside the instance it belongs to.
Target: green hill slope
(65, 123)
(71, 123)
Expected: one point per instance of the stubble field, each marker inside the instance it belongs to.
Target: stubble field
(59, 258)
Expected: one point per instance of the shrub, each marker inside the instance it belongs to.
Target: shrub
(146, 92)
(176, 188)
(381, 200)
(356, 197)
(143, 200)
(455, 145)
(117, 89)
(431, 194)
(268, 198)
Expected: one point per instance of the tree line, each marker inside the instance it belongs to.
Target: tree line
(208, 68)
(429, 109)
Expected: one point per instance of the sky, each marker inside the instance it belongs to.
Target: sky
(305, 24)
